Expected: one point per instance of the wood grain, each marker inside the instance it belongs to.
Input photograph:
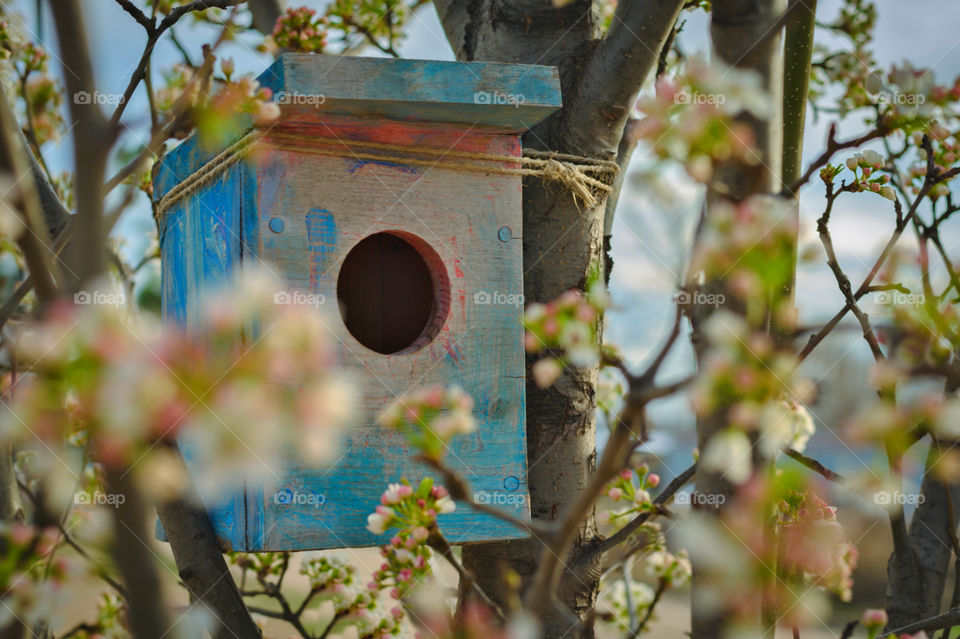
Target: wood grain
(302, 213)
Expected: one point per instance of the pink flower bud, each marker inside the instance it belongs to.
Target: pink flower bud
(874, 619)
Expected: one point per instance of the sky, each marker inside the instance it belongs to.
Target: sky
(650, 239)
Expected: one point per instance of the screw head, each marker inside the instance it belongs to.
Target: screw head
(505, 234)
(277, 224)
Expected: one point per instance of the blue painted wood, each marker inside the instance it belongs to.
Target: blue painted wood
(512, 97)
(303, 212)
(200, 246)
(328, 205)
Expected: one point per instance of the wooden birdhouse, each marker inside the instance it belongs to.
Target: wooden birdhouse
(390, 191)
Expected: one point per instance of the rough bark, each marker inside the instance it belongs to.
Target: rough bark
(740, 33)
(201, 566)
(135, 560)
(11, 506)
(917, 569)
(599, 79)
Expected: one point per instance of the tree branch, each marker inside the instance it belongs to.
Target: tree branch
(92, 141)
(615, 72)
(814, 465)
(201, 565)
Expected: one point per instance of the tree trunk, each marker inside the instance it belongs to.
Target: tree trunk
(201, 566)
(562, 242)
(917, 569)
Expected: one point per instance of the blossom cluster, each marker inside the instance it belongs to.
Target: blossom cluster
(623, 606)
(332, 578)
(217, 117)
(946, 151)
(814, 544)
(430, 416)
(112, 385)
(414, 513)
(692, 117)
(776, 540)
(300, 30)
(344, 23)
(41, 94)
(756, 386)
(632, 497)
(30, 590)
(923, 337)
(667, 569)
(568, 326)
(863, 166)
(110, 620)
(875, 620)
(748, 245)
(672, 569)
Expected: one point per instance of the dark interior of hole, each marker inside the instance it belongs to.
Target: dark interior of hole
(385, 293)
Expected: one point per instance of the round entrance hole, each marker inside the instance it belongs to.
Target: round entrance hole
(393, 292)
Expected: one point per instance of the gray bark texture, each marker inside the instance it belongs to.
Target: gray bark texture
(201, 565)
(917, 568)
(600, 79)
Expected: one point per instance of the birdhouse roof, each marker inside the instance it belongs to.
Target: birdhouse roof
(511, 97)
(491, 96)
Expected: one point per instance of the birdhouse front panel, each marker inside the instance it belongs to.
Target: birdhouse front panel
(394, 206)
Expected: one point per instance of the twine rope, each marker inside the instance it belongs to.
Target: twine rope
(588, 179)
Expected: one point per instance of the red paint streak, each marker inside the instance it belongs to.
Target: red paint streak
(443, 136)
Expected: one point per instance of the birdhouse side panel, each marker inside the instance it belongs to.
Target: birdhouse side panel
(313, 212)
(200, 248)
